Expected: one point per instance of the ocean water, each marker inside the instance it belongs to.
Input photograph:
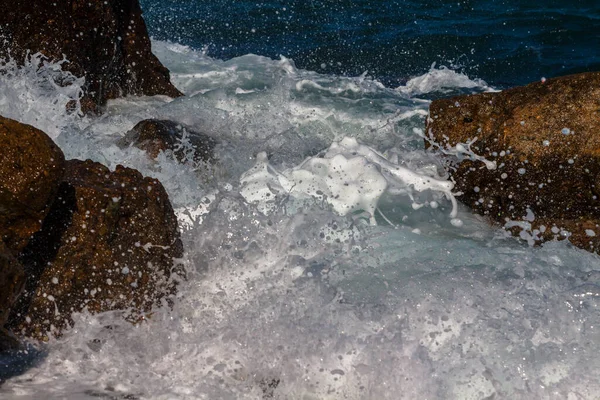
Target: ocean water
(326, 255)
(504, 42)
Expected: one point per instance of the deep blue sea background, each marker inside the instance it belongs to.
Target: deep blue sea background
(504, 42)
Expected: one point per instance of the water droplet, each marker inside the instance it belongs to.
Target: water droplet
(456, 222)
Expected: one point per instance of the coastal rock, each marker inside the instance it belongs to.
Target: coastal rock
(154, 136)
(110, 242)
(105, 41)
(544, 140)
(31, 169)
(12, 279)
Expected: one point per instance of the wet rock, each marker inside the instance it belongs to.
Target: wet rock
(544, 140)
(105, 41)
(31, 169)
(154, 136)
(110, 242)
(12, 279)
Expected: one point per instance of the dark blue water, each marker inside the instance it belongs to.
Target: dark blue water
(505, 42)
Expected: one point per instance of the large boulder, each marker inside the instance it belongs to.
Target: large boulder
(182, 142)
(31, 169)
(104, 40)
(545, 141)
(110, 242)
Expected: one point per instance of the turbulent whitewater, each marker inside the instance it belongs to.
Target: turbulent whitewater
(326, 255)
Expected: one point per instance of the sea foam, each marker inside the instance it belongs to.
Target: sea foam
(350, 177)
(39, 92)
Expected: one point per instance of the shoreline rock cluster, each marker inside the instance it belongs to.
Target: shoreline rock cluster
(544, 141)
(74, 234)
(83, 237)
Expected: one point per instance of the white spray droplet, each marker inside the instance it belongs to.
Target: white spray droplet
(456, 222)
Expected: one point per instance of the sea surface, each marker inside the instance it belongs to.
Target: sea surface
(327, 256)
(504, 42)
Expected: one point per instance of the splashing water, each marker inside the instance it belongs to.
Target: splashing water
(303, 296)
(38, 93)
(350, 177)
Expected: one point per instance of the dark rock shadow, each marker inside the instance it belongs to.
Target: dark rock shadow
(42, 249)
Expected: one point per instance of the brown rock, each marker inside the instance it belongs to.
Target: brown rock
(105, 41)
(12, 279)
(154, 136)
(109, 243)
(30, 171)
(544, 139)
(7, 341)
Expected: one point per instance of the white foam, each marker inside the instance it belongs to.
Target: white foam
(441, 80)
(190, 217)
(460, 150)
(38, 93)
(350, 176)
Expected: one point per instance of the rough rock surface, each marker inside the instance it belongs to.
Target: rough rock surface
(154, 136)
(544, 138)
(31, 169)
(12, 279)
(108, 243)
(105, 41)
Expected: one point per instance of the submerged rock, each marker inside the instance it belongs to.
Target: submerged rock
(31, 169)
(110, 242)
(154, 136)
(105, 41)
(544, 141)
